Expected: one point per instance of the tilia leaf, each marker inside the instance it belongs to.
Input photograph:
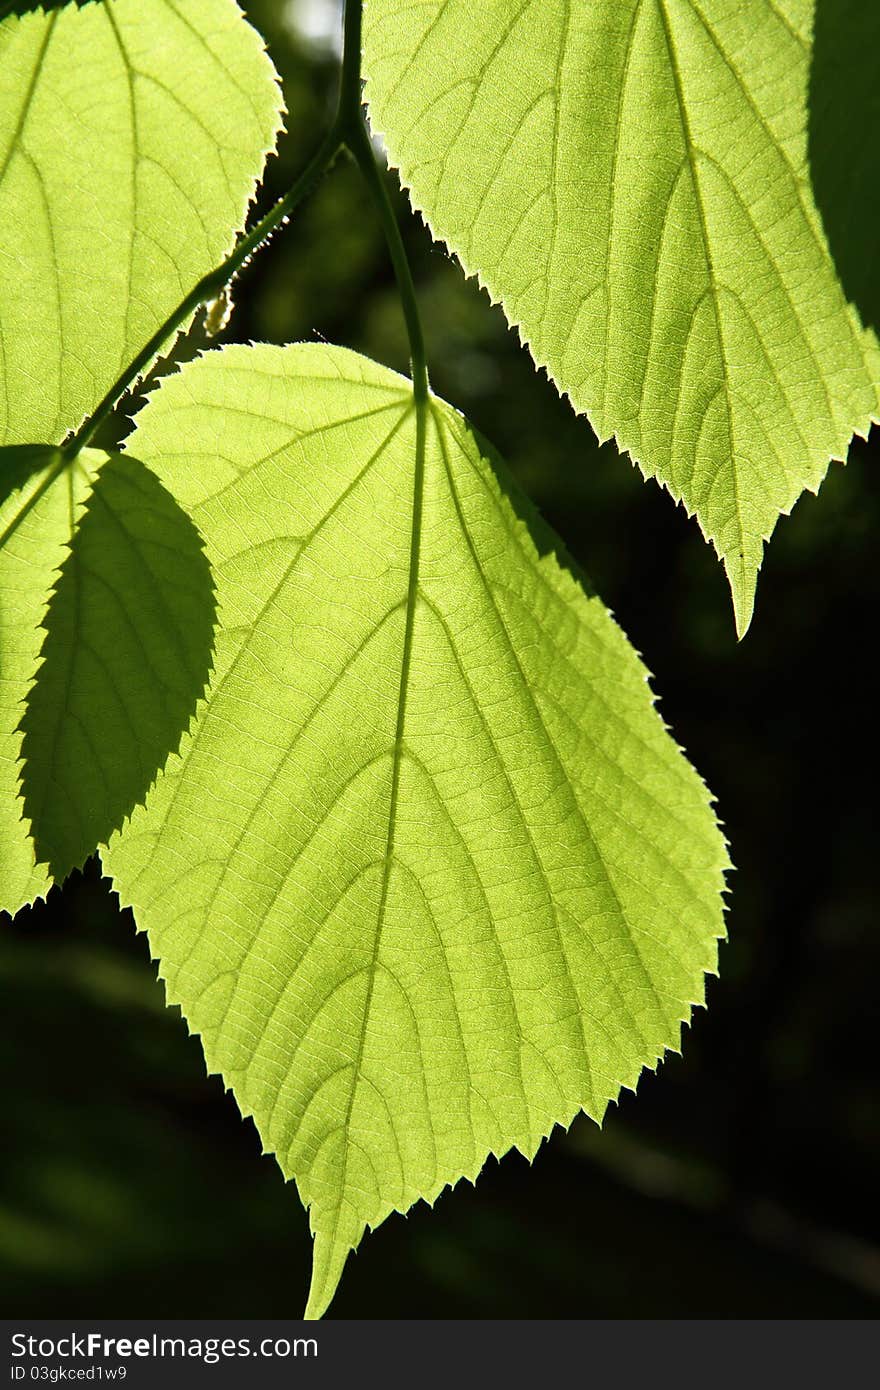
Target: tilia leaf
(629, 178)
(132, 137)
(127, 651)
(106, 631)
(39, 498)
(429, 875)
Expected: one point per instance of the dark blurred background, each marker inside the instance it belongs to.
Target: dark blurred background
(741, 1180)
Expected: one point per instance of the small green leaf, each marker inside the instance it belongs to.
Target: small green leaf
(39, 498)
(629, 178)
(106, 630)
(429, 875)
(127, 652)
(132, 137)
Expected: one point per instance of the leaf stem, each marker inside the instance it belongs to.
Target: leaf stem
(358, 142)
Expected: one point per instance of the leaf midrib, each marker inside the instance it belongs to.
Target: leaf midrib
(421, 413)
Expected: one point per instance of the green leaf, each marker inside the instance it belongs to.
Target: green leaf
(132, 137)
(98, 554)
(39, 497)
(127, 652)
(429, 875)
(629, 178)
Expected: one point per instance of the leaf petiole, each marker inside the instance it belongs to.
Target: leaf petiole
(357, 140)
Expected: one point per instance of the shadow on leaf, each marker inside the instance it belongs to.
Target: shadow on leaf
(126, 656)
(17, 8)
(844, 143)
(21, 462)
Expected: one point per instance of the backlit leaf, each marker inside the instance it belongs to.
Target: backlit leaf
(40, 497)
(127, 651)
(629, 178)
(429, 875)
(132, 137)
(106, 629)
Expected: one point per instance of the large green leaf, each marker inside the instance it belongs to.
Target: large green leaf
(98, 554)
(629, 178)
(429, 874)
(132, 136)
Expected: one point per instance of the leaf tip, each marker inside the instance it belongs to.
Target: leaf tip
(742, 577)
(743, 610)
(328, 1261)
